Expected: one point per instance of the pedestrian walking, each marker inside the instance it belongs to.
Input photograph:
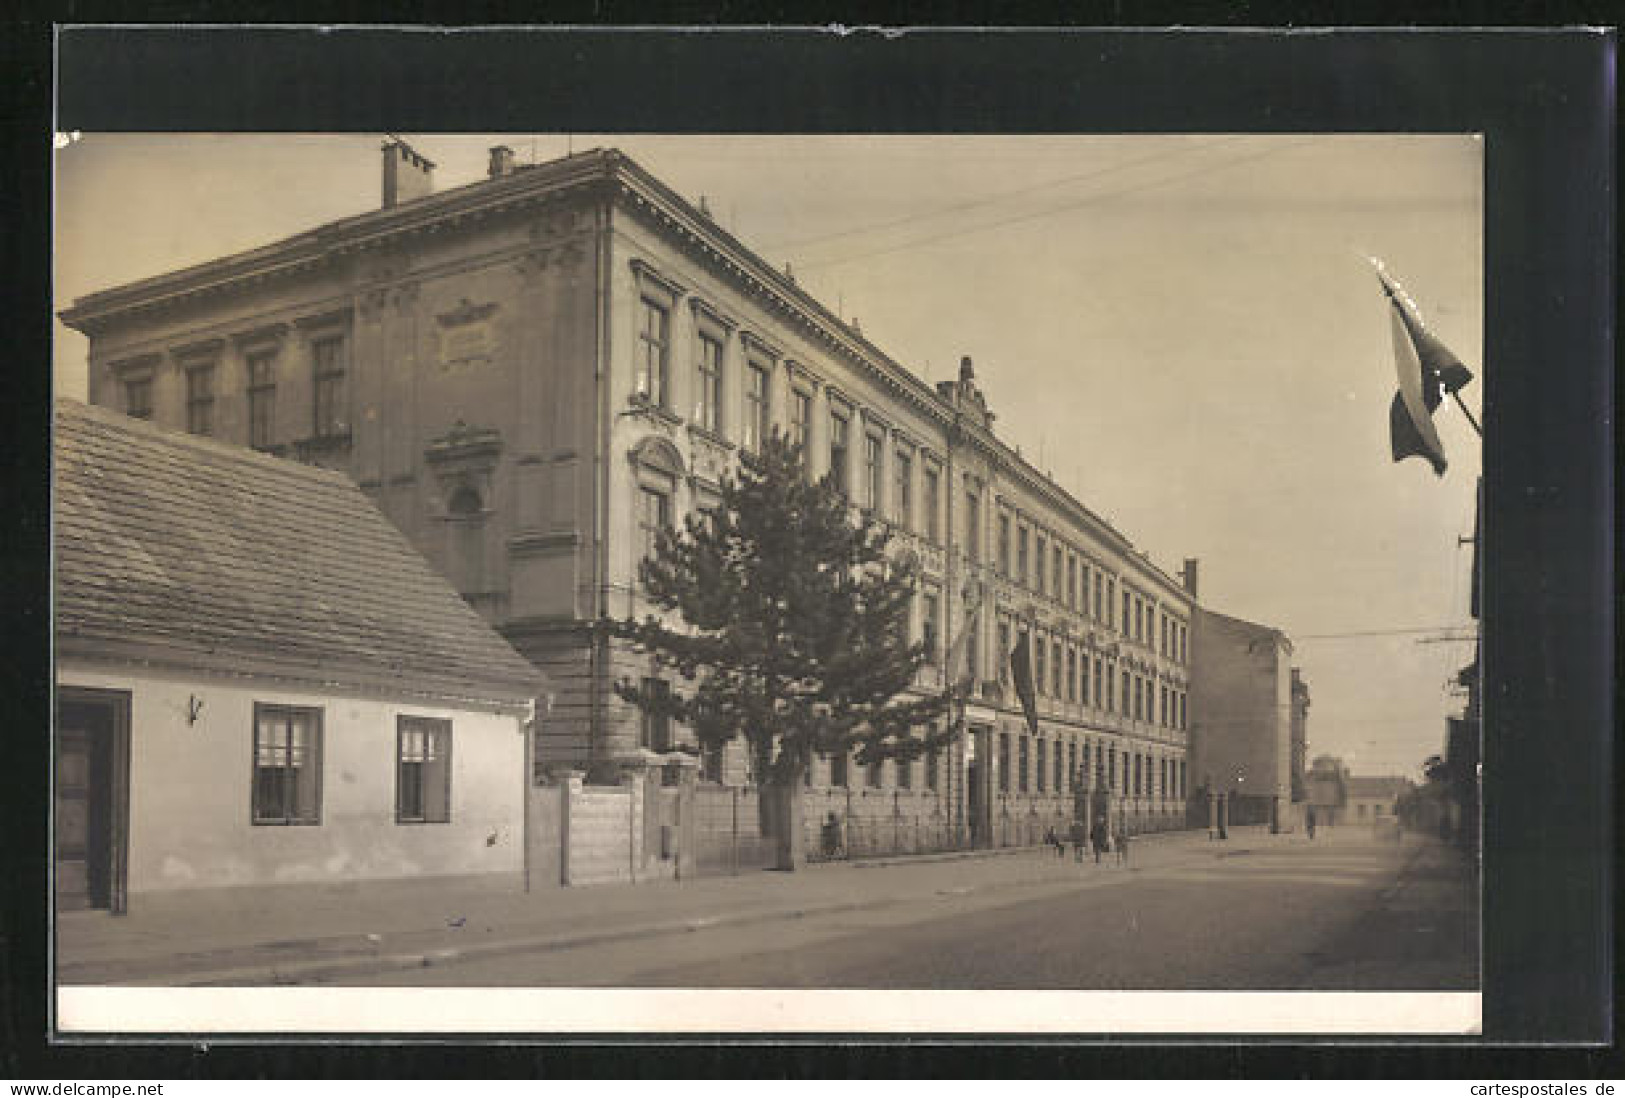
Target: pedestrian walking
(1098, 835)
(1080, 838)
(1311, 823)
(1120, 840)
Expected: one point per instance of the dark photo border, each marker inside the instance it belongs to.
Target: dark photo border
(1544, 101)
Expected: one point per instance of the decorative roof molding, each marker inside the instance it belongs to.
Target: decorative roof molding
(265, 333)
(333, 318)
(705, 310)
(755, 341)
(659, 454)
(136, 365)
(646, 273)
(201, 348)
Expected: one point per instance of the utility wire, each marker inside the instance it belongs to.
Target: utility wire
(1002, 196)
(1376, 632)
(1089, 200)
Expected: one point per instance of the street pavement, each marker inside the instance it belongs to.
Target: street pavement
(1257, 911)
(1344, 912)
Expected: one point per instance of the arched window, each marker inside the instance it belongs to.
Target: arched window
(467, 540)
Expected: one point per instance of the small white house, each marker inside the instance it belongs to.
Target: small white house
(259, 681)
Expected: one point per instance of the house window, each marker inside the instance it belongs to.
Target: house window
(654, 327)
(422, 770)
(654, 515)
(932, 758)
(1055, 573)
(1038, 677)
(905, 774)
(973, 663)
(1100, 602)
(1072, 761)
(1004, 762)
(1059, 769)
(1072, 582)
(138, 397)
(467, 529)
(711, 761)
(933, 532)
(973, 524)
(708, 401)
(931, 625)
(1039, 559)
(903, 489)
(872, 484)
(1021, 556)
(1055, 669)
(872, 776)
(262, 399)
(1040, 772)
(800, 418)
(1137, 684)
(1182, 712)
(654, 729)
(756, 406)
(837, 769)
(287, 765)
(1004, 546)
(328, 356)
(1071, 675)
(1004, 648)
(1128, 606)
(200, 400)
(1021, 771)
(839, 441)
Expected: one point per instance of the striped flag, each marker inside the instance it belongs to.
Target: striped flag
(1021, 670)
(1427, 371)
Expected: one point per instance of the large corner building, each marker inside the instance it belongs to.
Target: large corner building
(530, 374)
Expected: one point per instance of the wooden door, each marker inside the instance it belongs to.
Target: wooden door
(91, 799)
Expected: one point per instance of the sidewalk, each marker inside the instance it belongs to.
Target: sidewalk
(290, 934)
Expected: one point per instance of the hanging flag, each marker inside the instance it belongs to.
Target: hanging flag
(960, 673)
(1021, 670)
(1427, 370)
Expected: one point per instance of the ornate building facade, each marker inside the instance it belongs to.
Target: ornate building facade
(532, 373)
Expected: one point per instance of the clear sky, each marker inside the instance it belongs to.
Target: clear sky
(1181, 329)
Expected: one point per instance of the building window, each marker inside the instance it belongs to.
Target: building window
(931, 624)
(905, 774)
(1072, 582)
(1100, 602)
(262, 399)
(1041, 560)
(973, 524)
(1004, 647)
(839, 442)
(903, 489)
(1182, 657)
(932, 758)
(1004, 762)
(1083, 684)
(1055, 669)
(1021, 556)
(287, 765)
(1038, 676)
(872, 774)
(138, 397)
(837, 769)
(1055, 573)
(1072, 761)
(1111, 599)
(711, 761)
(1060, 772)
(1004, 546)
(708, 370)
(1182, 712)
(933, 533)
(654, 729)
(654, 328)
(328, 356)
(654, 515)
(1039, 773)
(200, 399)
(873, 486)
(1139, 683)
(422, 770)
(1071, 675)
(757, 404)
(973, 650)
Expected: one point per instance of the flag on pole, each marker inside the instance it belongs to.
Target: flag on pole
(960, 673)
(1427, 370)
(1021, 670)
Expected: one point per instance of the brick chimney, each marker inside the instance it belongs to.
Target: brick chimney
(501, 161)
(408, 174)
(1188, 575)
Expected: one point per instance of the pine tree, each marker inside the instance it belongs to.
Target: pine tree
(794, 625)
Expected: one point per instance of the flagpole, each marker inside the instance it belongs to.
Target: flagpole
(1456, 394)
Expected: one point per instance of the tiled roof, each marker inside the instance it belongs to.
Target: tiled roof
(182, 551)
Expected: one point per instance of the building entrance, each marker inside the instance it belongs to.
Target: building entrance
(91, 798)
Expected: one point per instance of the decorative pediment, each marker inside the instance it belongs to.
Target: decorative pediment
(659, 455)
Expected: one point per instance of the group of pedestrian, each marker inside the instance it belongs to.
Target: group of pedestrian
(1098, 837)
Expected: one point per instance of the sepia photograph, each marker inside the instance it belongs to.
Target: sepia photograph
(767, 582)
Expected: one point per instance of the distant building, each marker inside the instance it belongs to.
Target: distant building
(1374, 800)
(1242, 734)
(1328, 789)
(260, 682)
(531, 374)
